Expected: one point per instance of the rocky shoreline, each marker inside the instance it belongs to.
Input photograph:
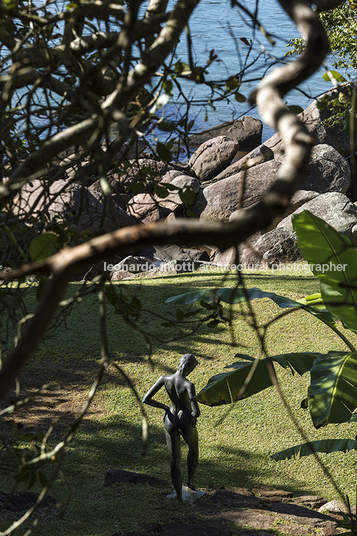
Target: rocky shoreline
(229, 168)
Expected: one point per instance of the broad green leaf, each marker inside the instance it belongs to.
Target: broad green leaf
(301, 362)
(324, 445)
(333, 390)
(337, 76)
(238, 295)
(333, 259)
(295, 109)
(44, 245)
(164, 152)
(228, 387)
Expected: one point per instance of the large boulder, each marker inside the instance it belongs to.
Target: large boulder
(276, 247)
(247, 131)
(145, 171)
(328, 171)
(322, 109)
(259, 155)
(333, 207)
(213, 156)
(314, 117)
(145, 208)
(184, 194)
(85, 208)
(175, 253)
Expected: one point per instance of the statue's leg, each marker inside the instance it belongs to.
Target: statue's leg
(174, 446)
(191, 438)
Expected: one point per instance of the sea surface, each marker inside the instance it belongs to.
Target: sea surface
(215, 25)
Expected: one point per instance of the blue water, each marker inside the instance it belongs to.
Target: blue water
(211, 27)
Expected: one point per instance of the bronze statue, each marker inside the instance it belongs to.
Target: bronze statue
(179, 419)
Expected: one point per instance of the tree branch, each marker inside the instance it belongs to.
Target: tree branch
(190, 232)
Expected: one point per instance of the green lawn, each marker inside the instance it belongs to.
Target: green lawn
(235, 442)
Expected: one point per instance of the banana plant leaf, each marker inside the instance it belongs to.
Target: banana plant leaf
(324, 445)
(238, 295)
(333, 259)
(332, 392)
(231, 386)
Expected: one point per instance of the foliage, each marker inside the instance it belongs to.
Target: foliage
(332, 394)
(341, 26)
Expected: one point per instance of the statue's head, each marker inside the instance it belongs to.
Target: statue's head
(186, 364)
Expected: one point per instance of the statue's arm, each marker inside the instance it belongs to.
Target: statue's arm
(192, 397)
(148, 398)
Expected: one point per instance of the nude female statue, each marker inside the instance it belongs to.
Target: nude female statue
(179, 419)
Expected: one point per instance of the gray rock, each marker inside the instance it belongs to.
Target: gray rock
(278, 246)
(85, 208)
(247, 130)
(257, 156)
(213, 156)
(134, 265)
(144, 170)
(333, 207)
(170, 175)
(328, 171)
(145, 208)
(337, 507)
(220, 200)
(175, 253)
(183, 183)
(298, 199)
(314, 118)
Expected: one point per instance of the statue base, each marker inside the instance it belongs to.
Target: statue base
(188, 495)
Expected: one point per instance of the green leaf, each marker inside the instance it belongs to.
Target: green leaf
(166, 126)
(295, 109)
(232, 83)
(333, 259)
(167, 85)
(44, 245)
(238, 295)
(161, 191)
(325, 445)
(164, 152)
(337, 76)
(333, 390)
(229, 387)
(239, 97)
(245, 41)
(187, 196)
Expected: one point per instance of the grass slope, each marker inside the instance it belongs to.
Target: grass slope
(235, 442)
